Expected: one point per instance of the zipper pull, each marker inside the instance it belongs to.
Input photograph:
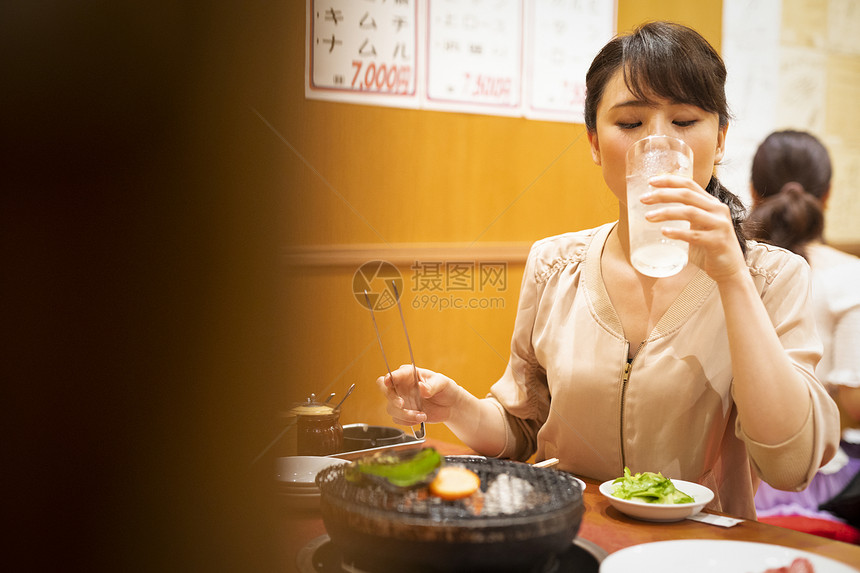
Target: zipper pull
(625, 375)
(627, 367)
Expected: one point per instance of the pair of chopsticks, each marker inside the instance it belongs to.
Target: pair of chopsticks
(416, 401)
(548, 463)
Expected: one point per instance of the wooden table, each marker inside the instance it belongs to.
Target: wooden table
(604, 526)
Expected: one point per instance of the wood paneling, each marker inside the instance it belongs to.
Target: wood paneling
(706, 16)
(400, 254)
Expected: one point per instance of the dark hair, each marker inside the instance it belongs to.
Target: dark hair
(791, 174)
(660, 59)
(671, 61)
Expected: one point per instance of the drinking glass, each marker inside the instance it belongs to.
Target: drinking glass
(651, 253)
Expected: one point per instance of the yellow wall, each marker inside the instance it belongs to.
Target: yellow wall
(405, 185)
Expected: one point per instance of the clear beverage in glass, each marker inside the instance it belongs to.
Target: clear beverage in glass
(651, 253)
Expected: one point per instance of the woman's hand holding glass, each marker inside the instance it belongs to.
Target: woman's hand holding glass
(713, 244)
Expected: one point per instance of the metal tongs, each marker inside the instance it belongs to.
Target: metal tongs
(413, 401)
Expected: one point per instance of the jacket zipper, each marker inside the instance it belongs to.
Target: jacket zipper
(625, 377)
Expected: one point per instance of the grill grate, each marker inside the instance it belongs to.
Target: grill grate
(511, 490)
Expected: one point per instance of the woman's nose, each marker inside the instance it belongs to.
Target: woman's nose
(660, 127)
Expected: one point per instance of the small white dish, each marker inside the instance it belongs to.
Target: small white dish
(288, 489)
(713, 556)
(661, 512)
(301, 471)
(303, 501)
(310, 495)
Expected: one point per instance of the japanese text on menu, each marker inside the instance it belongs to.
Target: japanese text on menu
(562, 37)
(363, 46)
(503, 57)
(474, 54)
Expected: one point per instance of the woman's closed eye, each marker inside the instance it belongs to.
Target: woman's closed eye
(636, 124)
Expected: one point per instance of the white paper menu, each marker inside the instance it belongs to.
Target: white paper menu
(523, 58)
(474, 56)
(362, 52)
(563, 36)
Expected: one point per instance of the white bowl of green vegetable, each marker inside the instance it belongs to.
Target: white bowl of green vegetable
(652, 497)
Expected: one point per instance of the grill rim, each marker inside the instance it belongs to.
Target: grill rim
(565, 498)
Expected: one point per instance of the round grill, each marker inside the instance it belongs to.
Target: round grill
(523, 514)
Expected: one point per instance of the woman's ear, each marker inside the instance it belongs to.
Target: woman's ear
(721, 144)
(595, 146)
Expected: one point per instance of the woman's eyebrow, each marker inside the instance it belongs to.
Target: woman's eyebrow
(638, 103)
(632, 103)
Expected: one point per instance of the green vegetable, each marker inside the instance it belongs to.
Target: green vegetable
(397, 470)
(648, 487)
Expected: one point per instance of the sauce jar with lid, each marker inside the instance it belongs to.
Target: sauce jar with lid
(319, 432)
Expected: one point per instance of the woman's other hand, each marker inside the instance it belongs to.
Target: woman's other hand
(431, 401)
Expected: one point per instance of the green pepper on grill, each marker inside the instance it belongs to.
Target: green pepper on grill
(402, 471)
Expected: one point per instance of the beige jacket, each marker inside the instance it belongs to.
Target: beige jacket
(671, 409)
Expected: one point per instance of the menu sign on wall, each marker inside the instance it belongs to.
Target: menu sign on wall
(502, 57)
(364, 52)
(474, 56)
(563, 38)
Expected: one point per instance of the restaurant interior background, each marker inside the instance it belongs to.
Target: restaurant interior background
(180, 236)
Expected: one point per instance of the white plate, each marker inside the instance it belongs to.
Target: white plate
(661, 511)
(286, 489)
(301, 501)
(305, 486)
(301, 471)
(316, 495)
(712, 556)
